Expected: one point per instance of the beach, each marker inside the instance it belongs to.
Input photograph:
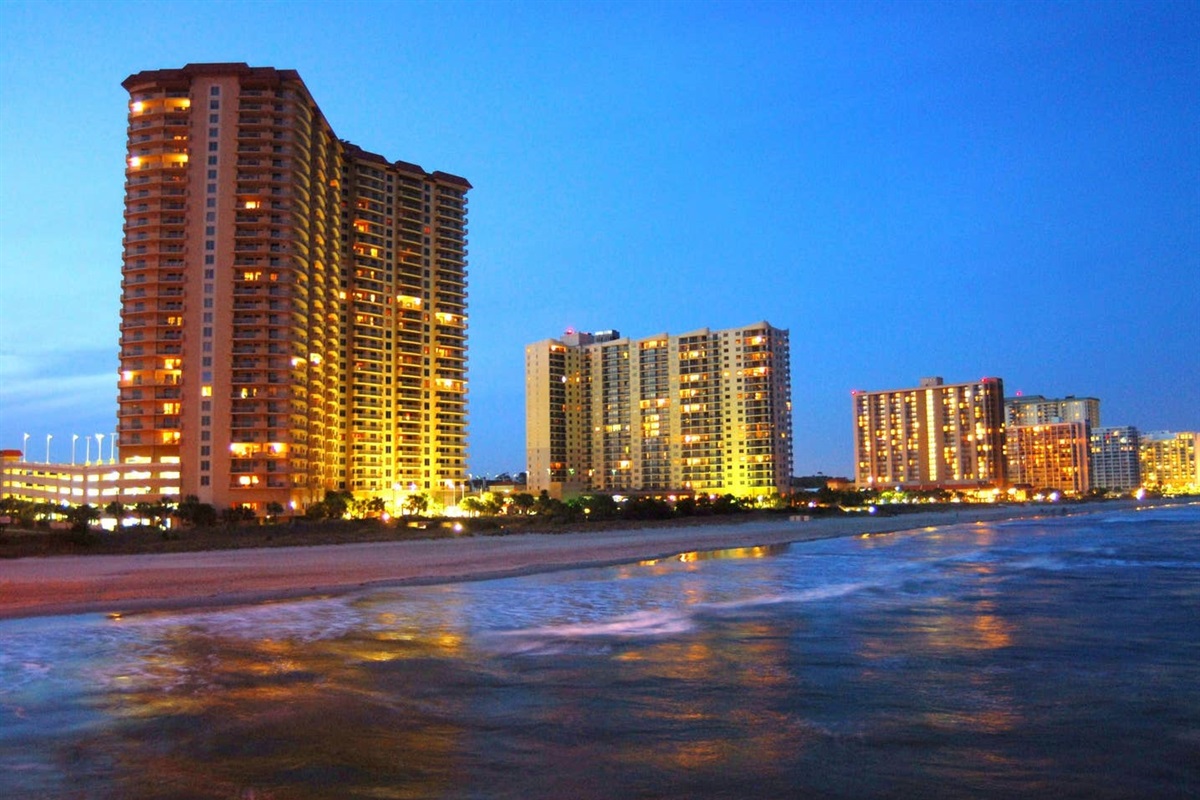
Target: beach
(124, 584)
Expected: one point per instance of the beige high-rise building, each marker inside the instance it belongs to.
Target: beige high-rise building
(706, 412)
(293, 309)
(933, 436)
(1035, 409)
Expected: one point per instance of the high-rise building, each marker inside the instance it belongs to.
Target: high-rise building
(293, 309)
(1170, 462)
(1114, 456)
(1050, 456)
(706, 412)
(1044, 450)
(933, 436)
(1035, 409)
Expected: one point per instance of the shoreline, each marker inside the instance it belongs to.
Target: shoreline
(124, 584)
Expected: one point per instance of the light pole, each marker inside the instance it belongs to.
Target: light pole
(99, 448)
(74, 439)
(112, 449)
(87, 450)
(25, 448)
(49, 436)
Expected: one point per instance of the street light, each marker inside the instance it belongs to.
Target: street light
(74, 439)
(87, 457)
(112, 448)
(25, 448)
(99, 448)
(49, 436)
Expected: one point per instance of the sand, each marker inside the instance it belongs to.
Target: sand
(130, 583)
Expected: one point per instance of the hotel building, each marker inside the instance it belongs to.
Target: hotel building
(1050, 456)
(1038, 410)
(1049, 441)
(1169, 461)
(293, 308)
(933, 436)
(706, 412)
(1114, 457)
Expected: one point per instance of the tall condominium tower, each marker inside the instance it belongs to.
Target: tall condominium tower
(293, 309)
(937, 435)
(702, 412)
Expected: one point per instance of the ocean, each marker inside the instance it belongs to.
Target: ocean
(1055, 657)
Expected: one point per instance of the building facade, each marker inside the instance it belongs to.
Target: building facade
(933, 436)
(1169, 461)
(1114, 458)
(293, 308)
(1038, 410)
(706, 412)
(1053, 456)
(1044, 451)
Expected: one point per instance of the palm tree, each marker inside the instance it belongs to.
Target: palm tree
(416, 504)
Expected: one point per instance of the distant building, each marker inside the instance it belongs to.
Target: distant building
(96, 483)
(1037, 410)
(1169, 461)
(701, 412)
(1114, 458)
(933, 436)
(1042, 453)
(1052, 456)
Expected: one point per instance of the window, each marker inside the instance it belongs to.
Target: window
(215, 91)
(213, 118)
(212, 147)
(213, 105)
(212, 161)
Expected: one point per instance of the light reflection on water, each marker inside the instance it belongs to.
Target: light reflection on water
(983, 660)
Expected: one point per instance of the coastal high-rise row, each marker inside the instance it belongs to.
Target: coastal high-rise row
(933, 436)
(293, 308)
(706, 412)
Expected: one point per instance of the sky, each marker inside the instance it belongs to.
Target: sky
(912, 189)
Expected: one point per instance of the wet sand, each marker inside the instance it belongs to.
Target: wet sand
(129, 583)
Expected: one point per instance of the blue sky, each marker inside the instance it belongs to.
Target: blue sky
(957, 189)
